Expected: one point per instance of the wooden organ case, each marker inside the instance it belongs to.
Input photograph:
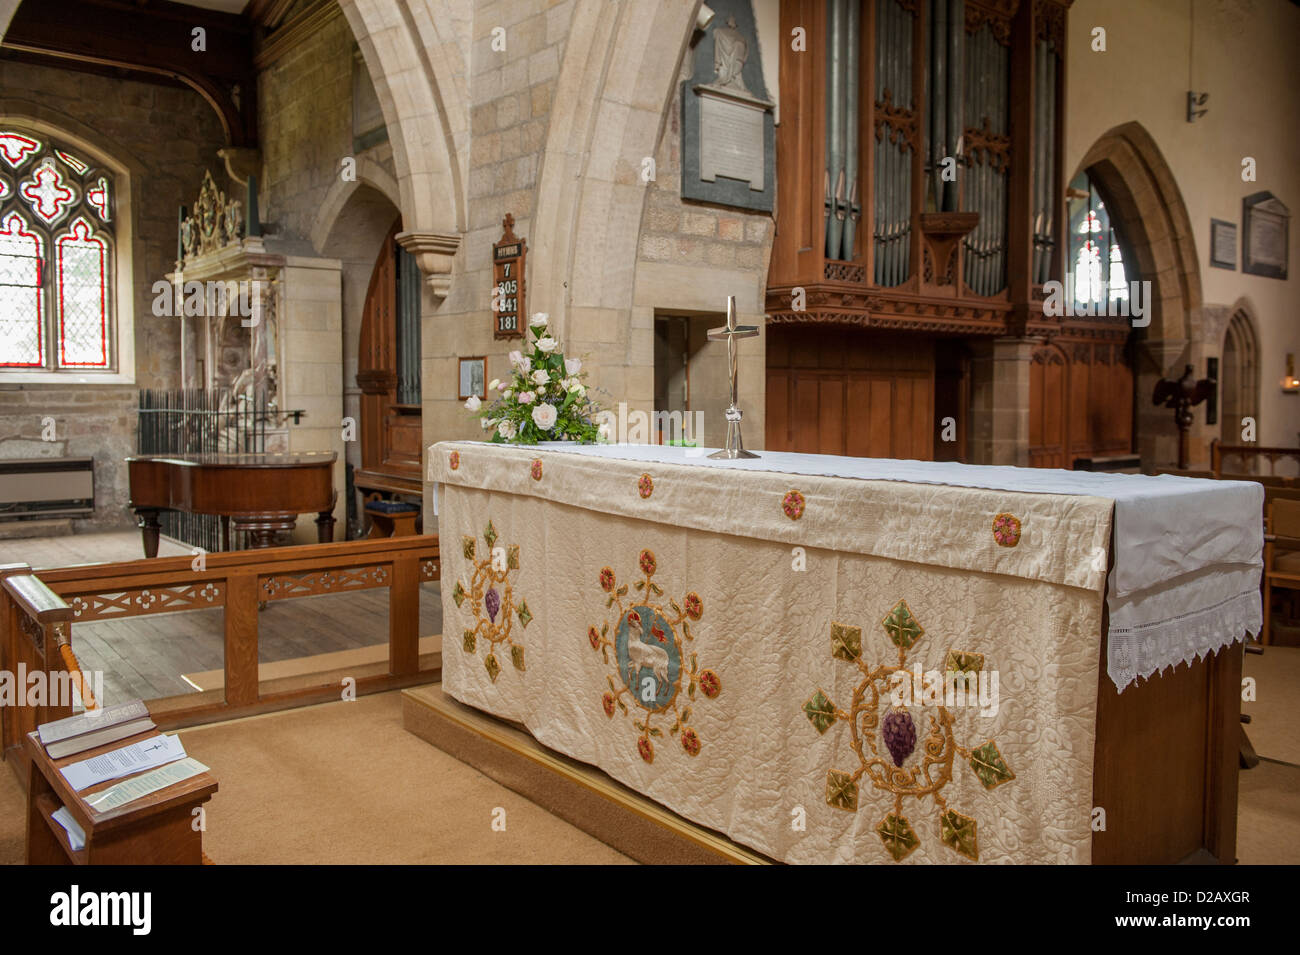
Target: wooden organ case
(388, 374)
(920, 213)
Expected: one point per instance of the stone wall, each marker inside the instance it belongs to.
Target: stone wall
(166, 136)
(511, 98)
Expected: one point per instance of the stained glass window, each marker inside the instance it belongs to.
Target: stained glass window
(56, 257)
(1096, 261)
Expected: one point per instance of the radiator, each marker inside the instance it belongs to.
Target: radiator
(50, 487)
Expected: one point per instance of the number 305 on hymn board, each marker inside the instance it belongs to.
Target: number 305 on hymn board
(508, 281)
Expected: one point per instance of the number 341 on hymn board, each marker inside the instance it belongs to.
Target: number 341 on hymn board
(508, 281)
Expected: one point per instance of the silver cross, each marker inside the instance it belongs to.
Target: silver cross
(735, 447)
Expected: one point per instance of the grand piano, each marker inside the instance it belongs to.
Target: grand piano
(260, 494)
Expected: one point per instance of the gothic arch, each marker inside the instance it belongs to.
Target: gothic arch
(1147, 206)
(1143, 197)
(368, 173)
(1239, 372)
(617, 79)
(417, 55)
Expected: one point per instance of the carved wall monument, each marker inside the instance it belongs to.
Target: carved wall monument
(728, 137)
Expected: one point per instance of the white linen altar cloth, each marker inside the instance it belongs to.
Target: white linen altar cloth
(1187, 555)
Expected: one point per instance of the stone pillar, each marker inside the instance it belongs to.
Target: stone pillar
(998, 431)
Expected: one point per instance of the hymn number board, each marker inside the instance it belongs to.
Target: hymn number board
(508, 278)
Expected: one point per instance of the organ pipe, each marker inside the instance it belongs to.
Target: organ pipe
(835, 128)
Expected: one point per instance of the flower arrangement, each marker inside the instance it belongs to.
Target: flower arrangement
(544, 399)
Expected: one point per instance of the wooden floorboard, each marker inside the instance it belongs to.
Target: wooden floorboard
(145, 656)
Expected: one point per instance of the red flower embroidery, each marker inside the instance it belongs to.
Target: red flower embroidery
(453, 460)
(607, 579)
(690, 742)
(648, 562)
(645, 485)
(657, 633)
(607, 701)
(646, 749)
(594, 636)
(1006, 530)
(710, 685)
(536, 470)
(694, 606)
(633, 618)
(793, 505)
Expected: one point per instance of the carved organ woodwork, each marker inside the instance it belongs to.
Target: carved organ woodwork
(921, 196)
(388, 374)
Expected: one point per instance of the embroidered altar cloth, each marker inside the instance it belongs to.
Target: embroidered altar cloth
(754, 643)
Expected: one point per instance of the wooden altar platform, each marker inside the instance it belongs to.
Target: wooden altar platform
(581, 795)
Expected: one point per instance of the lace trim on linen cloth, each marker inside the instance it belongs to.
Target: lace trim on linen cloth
(1141, 651)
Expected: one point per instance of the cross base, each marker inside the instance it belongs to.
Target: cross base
(735, 446)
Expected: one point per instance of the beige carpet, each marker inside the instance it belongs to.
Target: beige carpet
(1274, 728)
(345, 783)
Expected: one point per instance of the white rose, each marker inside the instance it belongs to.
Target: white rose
(527, 397)
(544, 416)
(540, 377)
(494, 384)
(507, 393)
(539, 319)
(515, 357)
(506, 429)
(486, 424)
(547, 344)
(573, 365)
(473, 403)
(576, 387)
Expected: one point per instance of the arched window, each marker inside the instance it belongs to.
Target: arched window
(57, 262)
(1096, 262)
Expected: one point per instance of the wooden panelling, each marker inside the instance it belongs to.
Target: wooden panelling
(1080, 403)
(833, 390)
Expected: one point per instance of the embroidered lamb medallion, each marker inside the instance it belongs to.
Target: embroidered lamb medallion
(884, 735)
(492, 601)
(646, 644)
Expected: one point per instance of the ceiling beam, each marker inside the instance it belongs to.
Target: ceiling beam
(151, 38)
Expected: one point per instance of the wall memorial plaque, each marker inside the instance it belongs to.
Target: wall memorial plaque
(508, 277)
(728, 136)
(1265, 245)
(1223, 244)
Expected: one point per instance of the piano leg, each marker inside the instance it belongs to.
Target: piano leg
(325, 527)
(149, 530)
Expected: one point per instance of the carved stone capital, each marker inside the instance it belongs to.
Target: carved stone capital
(433, 253)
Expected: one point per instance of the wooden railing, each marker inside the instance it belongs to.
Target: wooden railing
(34, 621)
(1249, 452)
(38, 611)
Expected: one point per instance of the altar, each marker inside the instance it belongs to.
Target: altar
(832, 659)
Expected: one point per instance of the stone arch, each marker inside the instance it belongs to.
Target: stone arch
(1145, 202)
(352, 226)
(613, 97)
(418, 65)
(1239, 371)
(1143, 197)
(368, 173)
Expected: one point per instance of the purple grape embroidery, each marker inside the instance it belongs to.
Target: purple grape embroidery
(492, 603)
(900, 734)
